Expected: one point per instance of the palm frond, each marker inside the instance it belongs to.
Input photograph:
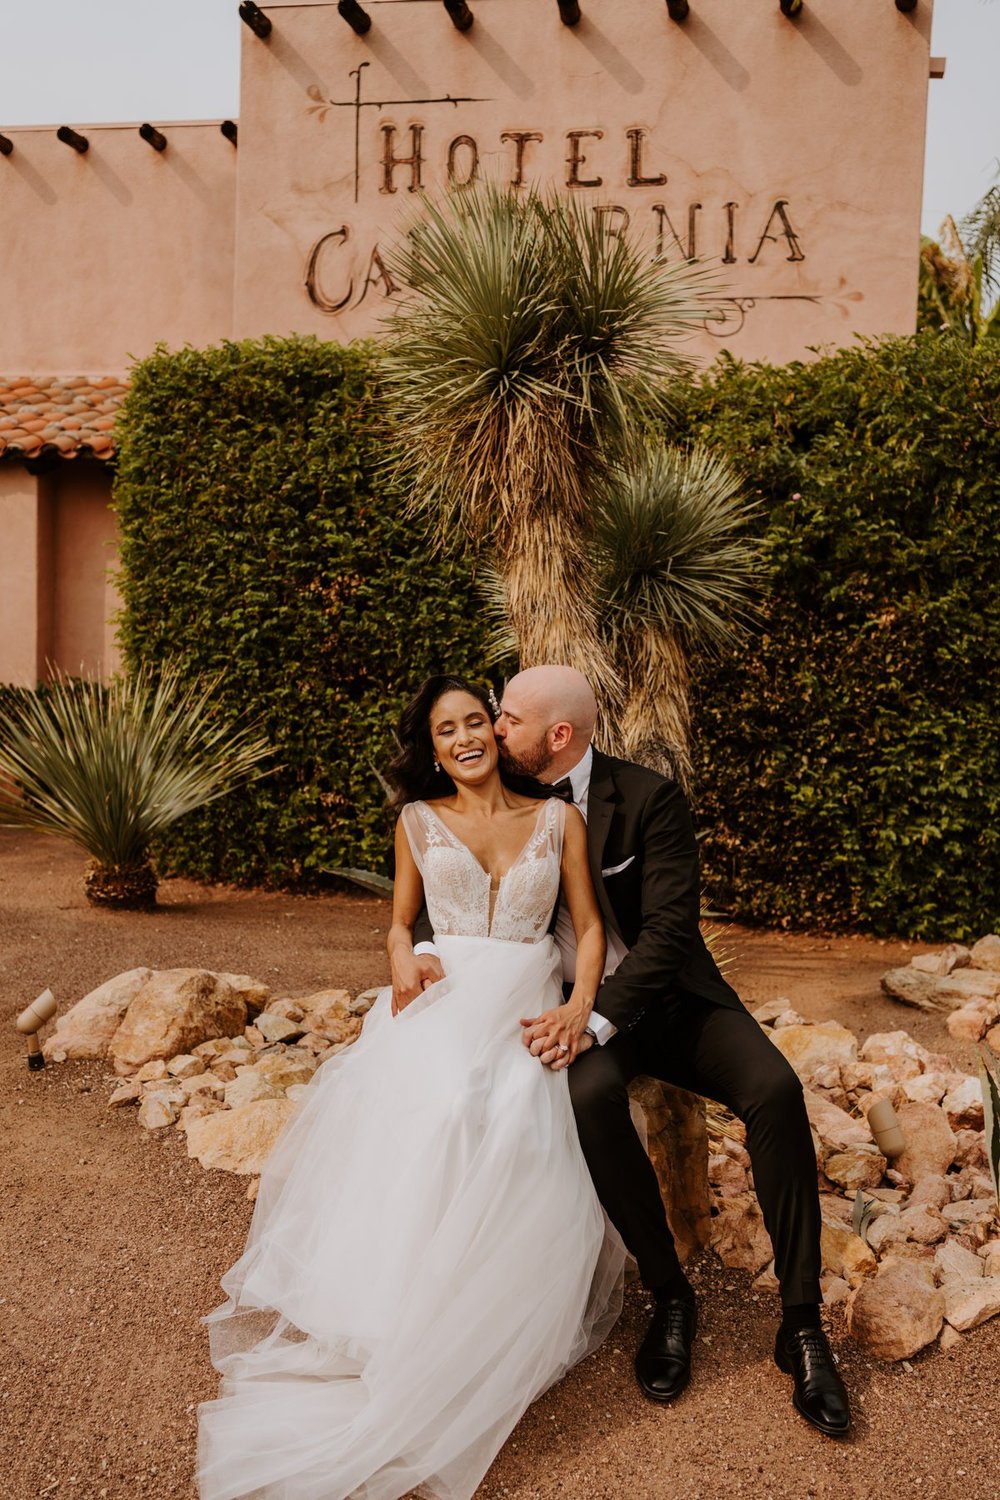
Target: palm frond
(109, 767)
(980, 234)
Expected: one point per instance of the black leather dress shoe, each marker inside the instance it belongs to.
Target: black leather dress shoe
(819, 1393)
(663, 1362)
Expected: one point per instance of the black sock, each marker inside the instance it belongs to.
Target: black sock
(677, 1287)
(797, 1316)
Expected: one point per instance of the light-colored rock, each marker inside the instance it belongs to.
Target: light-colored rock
(972, 1022)
(930, 1141)
(860, 1166)
(247, 1087)
(252, 992)
(155, 1111)
(767, 1281)
(152, 1070)
(966, 985)
(239, 1140)
(200, 1106)
(739, 1237)
(283, 1070)
(986, 953)
(932, 1191)
(921, 1225)
(964, 1106)
(253, 1188)
(897, 1312)
(973, 1213)
(203, 1083)
(845, 1254)
(990, 1254)
(275, 1028)
(314, 1043)
(970, 1149)
(167, 1089)
(210, 1050)
(892, 1046)
(970, 1182)
(789, 1017)
(769, 1012)
(926, 1088)
(835, 1290)
(362, 1004)
(174, 1010)
(254, 1038)
(992, 1039)
(290, 1009)
(295, 1091)
(953, 1262)
(969, 1303)
(185, 1065)
(329, 1013)
(86, 1029)
(955, 956)
(811, 1047)
(911, 987)
(129, 1092)
(835, 1127)
(224, 1071)
(949, 1338)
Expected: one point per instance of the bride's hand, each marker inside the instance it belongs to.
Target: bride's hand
(557, 1037)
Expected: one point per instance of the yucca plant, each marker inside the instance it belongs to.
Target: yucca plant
(674, 571)
(989, 1082)
(530, 340)
(110, 766)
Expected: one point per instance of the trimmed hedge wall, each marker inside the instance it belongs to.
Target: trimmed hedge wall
(258, 540)
(849, 757)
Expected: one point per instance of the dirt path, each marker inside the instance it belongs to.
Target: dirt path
(112, 1243)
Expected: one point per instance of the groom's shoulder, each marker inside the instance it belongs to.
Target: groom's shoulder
(633, 780)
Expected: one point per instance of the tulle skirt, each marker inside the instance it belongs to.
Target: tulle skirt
(427, 1254)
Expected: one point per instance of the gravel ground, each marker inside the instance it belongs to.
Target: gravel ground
(112, 1243)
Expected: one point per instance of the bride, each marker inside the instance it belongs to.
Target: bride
(427, 1253)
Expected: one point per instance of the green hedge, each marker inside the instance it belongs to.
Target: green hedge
(849, 757)
(258, 540)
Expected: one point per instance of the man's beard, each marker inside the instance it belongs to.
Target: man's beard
(530, 762)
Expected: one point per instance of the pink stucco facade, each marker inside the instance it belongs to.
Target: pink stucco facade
(788, 154)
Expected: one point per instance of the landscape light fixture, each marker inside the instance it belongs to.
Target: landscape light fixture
(791, 8)
(569, 12)
(70, 137)
(252, 15)
(30, 1022)
(6, 145)
(153, 136)
(357, 19)
(905, 5)
(228, 128)
(678, 10)
(461, 15)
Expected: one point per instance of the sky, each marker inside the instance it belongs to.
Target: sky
(89, 61)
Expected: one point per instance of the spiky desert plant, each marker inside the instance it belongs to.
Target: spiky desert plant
(110, 766)
(530, 338)
(674, 571)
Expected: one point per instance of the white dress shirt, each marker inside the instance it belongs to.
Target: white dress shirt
(604, 1030)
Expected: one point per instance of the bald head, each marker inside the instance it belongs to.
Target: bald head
(547, 720)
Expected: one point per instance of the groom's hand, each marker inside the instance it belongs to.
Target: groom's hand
(554, 1038)
(411, 975)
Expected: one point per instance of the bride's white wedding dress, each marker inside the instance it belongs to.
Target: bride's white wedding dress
(427, 1253)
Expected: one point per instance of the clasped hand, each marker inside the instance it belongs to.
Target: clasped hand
(412, 973)
(557, 1037)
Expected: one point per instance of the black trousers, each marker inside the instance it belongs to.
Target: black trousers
(721, 1054)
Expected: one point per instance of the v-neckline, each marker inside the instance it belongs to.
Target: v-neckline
(476, 861)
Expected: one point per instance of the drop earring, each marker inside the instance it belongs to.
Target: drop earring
(437, 764)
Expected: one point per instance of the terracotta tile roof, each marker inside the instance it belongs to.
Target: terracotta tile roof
(42, 416)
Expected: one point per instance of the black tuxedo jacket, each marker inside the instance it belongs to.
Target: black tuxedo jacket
(644, 864)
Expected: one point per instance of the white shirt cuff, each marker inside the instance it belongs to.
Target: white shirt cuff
(426, 948)
(603, 1030)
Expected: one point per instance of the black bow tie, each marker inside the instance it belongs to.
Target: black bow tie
(563, 789)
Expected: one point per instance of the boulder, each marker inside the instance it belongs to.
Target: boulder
(252, 992)
(739, 1237)
(174, 1010)
(200, 1106)
(290, 1009)
(967, 985)
(931, 1191)
(845, 1254)
(835, 1290)
(926, 1088)
(921, 1226)
(282, 1070)
(203, 1083)
(810, 1047)
(953, 1262)
(155, 1111)
(835, 1127)
(275, 1028)
(911, 987)
(955, 956)
(185, 1065)
(897, 1049)
(930, 1142)
(860, 1166)
(986, 953)
(128, 1092)
(964, 1106)
(152, 1070)
(86, 1029)
(248, 1087)
(898, 1311)
(990, 1255)
(949, 1338)
(969, 1303)
(239, 1140)
(970, 1023)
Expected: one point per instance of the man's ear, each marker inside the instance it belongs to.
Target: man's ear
(560, 736)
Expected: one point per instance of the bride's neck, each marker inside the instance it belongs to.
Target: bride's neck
(481, 801)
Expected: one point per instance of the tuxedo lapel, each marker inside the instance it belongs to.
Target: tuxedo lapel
(601, 801)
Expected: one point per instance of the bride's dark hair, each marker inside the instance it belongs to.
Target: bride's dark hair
(411, 771)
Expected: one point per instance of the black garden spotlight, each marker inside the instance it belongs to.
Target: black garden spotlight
(153, 137)
(251, 15)
(678, 10)
(71, 137)
(569, 12)
(791, 8)
(357, 19)
(461, 15)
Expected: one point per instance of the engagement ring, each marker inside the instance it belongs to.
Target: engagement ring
(561, 1048)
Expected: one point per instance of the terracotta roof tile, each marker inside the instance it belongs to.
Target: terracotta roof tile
(52, 414)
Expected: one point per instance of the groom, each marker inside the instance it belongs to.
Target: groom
(665, 1010)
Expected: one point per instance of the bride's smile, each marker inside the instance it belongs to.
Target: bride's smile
(463, 741)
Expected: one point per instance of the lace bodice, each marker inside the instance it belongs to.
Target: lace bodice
(458, 890)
